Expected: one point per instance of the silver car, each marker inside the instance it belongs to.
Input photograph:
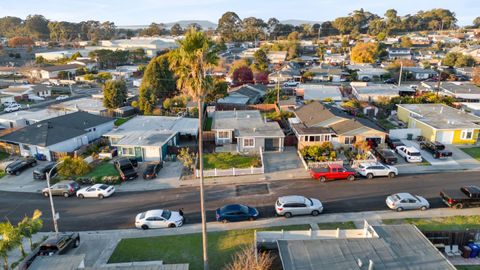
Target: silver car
(288, 206)
(406, 201)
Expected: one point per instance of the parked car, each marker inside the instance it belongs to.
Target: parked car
(12, 108)
(151, 170)
(437, 149)
(410, 154)
(158, 218)
(125, 169)
(332, 172)
(291, 84)
(370, 170)
(62, 97)
(58, 245)
(236, 212)
(407, 201)
(9, 103)
(63, 188)
(18, 166)
(386, 156)
(41, 173)
(393, 143)
(288, 206)
(134, 161)
(464, 197)
(365, 79)
(390, 81)
(96, 191)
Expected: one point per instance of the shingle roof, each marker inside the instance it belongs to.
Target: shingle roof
(61, 67)
(315, 112)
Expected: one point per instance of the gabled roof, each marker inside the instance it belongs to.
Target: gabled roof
(249, 90)
(61, 67)
(315, 112)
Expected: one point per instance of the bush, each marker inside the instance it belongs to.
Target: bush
(72, 167)
(320, 153)
(111, 180)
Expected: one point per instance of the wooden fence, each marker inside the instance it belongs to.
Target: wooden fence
(260, 107)
(460, 238)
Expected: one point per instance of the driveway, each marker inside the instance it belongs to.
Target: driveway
(449, 161)
(23, 182)
(282, 161)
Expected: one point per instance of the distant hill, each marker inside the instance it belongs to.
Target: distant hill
(185, 23)
(299, 22)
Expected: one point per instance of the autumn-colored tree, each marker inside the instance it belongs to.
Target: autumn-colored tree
(364, 53)
(476, 76)
(248, 259)
(242, 75)
(406, 42)
(395, 65)
(20, 41)
(261, 78)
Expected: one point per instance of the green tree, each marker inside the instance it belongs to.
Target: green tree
(229, 26)
(11, 238)
(114, 94)
(476, 22)
(29, 226)
(193, 58)
(220, 90)
(176, 30)
(158, 82)
(36, 26)
(405, 42)
(260, 60)
(72, 166)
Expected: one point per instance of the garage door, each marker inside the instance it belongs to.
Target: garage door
(445, 137)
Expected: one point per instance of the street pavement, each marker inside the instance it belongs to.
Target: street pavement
(118, 212)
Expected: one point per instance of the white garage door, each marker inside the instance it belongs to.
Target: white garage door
(445, 137)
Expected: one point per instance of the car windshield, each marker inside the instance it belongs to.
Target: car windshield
(415, 154)
(142, 215)
(309, 201)
(361, 166)
(103, 187)
(417, 198)
(396, 198)
(166, 214)
(244, 209)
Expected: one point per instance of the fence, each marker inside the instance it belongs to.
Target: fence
(460, 238)
(234, 171)
(260, 107)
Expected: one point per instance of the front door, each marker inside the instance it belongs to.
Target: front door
(139, 153)
(269, 146)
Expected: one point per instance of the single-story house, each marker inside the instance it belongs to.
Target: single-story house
(64, 133)
(288, 72)
(51, 72)
(23, 118)
(6, 98)
(277, 57)
(335, 58)
(287, 104)
(374, 92)
(419, 73)
(244, 94)
(85, 62)
(442, 123)
(319, 92)
(399, 53)
(371, 73)
(461, 91)
(87, 104)
(57, 55)
(28, 91)
(148, 137)
(327, 73)
(6, 71)
(246, 131)
(473, 107)
(316, 123)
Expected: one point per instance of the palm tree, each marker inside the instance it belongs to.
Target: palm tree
(10, 239)
(30, 226)
(190, 61)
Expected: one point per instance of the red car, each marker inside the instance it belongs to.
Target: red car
(332, 172)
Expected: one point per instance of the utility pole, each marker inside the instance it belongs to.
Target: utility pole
(438, 82)
(54, 214)
(400, 75)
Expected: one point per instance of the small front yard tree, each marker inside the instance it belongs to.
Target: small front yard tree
(114, 94)
(187, 158)
(73, 166)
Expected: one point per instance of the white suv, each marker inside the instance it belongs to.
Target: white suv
(13, 107)
(288, 206)
(410, 154)
(370, 170)
(291, 84)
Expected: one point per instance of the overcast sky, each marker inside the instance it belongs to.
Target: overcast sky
(139, 12)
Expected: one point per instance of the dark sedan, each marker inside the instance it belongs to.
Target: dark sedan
(236, 212)
(151, 170)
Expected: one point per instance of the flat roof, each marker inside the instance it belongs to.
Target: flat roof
(398, 247)
(33, 115)
(320, 92)
(87, 104)
(441, 116)
(246, 124)
(381, 89)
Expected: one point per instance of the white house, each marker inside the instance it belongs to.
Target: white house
(51, 72)
(30, 91)
(373, 92)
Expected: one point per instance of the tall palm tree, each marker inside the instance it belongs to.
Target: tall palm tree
(30, 226)
(190, 62)
(10, 239)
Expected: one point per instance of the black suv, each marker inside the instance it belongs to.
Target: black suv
(386, 156)
(125, 169)
(437, 149)
(41, 173)
(393, 143)
(151, 170)
(18, 166)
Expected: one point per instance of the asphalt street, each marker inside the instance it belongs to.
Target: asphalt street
(119, 210)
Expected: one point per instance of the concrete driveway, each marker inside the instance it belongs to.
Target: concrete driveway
(449, 161)
(282, 161)
(23, 182)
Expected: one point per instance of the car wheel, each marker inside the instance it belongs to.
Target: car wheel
(17, 173)
(33, 164)
(45, 194)
(66, 195)
(224, 221)
(351, 178)
(399, 209)
(423, 208)
(81, 196)
(251, 219)
(406, 159)
(100, 196)
(315, 213)
(76, 243)
(171, 225)
(288, 215)
(144, 227)
(458, 206)
(369, 175)
(323, 179)
(391, 175)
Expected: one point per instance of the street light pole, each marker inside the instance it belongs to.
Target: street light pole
(55, 224)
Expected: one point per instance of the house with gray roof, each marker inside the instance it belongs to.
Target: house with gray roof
(147, 138)
(64, 133)
(460, 91)
(246, 131)
(244, 94)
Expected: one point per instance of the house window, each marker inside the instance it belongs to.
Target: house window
(349, 140)
(326, 138)
(248, 142)
(127, 151)
(467, 134)
(223, 134)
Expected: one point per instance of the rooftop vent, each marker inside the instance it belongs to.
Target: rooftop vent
(359, 263)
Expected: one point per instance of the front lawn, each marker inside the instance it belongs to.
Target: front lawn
(474, 152)
(349, 225)
(467, 267)
(103, 169)
(188, 248)
(440, 224)
(4, 155)
(121, 121)
(229, 160)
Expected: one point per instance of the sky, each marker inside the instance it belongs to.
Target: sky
(141, 12)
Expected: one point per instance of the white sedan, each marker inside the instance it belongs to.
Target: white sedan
(96, 191)
(62, 97)
(154, 219)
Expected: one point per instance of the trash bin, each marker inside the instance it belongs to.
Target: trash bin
(409, 136)
(475, 249)
(466, 251)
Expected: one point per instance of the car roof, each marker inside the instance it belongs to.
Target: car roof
(371, 164)
(405, 195)
(154, 212)
(98, 185)
(292, 199)
(412, 149)
(231, 207)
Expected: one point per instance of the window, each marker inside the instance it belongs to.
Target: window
(127, 151)
(467, 134)
(223, 134)
(349, 140)
(248, 142)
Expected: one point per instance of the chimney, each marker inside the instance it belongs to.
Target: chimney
(359, 263)
(370, 265)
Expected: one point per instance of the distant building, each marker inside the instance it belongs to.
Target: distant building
(319, 92)
(399, 53)
(374, 92)
(28, 91)
(151, 45)
(461, 91)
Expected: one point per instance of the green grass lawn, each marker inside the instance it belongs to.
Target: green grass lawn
(208, 124)
(387, 125)
(121, 121)
(334, 225)
(467, 267)
(229, 160)
(188, 248)
(473, 152)
(103, 169)
(440, 224)
(4, 155)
